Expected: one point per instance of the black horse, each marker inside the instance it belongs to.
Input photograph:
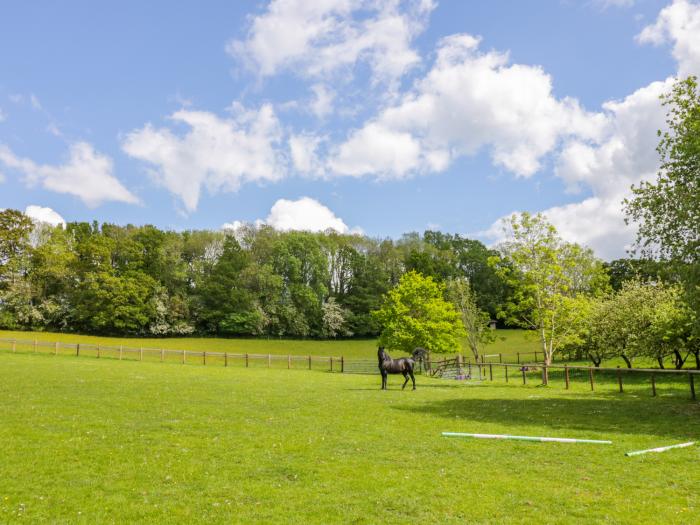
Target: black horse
(387, 366)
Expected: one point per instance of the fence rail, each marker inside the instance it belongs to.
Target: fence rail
(289, 361)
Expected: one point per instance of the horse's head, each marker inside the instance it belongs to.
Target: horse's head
(381, 354)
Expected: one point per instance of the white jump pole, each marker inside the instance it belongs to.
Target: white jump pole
(660, 449)
(526, 438)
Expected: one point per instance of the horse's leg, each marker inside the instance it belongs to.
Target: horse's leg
(384, 376)
(405, 376)
(410, 371)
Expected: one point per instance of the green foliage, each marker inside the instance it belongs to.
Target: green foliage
(415, 314)
(668, 209)
(552, 282)
(641, 320)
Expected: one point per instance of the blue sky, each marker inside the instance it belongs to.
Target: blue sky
(385, 117)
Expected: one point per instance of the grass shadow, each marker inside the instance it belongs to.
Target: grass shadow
(600, 414)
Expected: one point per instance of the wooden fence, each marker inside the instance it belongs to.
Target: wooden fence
(309, 362)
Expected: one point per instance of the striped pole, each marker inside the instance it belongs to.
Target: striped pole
(525, 438)
(660, 449)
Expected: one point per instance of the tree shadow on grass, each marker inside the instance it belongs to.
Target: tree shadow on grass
(599, 415)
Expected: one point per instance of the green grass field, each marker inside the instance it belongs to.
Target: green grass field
(102, 441)
(508, 342)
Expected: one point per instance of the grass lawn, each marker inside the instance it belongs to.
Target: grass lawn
(95, 441)
(508, 342)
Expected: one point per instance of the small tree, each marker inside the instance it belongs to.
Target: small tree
(475, 320)
(333, 322)
(552, 282)
(415, 314)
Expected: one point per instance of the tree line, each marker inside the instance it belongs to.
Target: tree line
(252, 281)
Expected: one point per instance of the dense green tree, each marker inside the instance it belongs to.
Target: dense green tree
(415, 314)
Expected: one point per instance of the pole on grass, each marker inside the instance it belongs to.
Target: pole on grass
(590, 377)
(225, 359)
(659, 449)
(526, 438)
(506, 369)
(309, 362)
(566, 376)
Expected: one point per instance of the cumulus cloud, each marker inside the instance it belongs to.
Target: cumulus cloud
(319, 38)
(678, 24)
(624, 156)
(218, 153)
(468, 101)
(322, 104)
(86, 174)
(303, 149)
(45, 215)
(304, 214)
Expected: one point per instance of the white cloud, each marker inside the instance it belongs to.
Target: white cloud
(604, 4)
(469, 100)
(679, 24)
(304, 214)
(86, 174)
(34, 101)
(2, 177)
(624, 156)
(46, 215)
(320, 37)
(218, 153)
(322, 104)
(303, 149)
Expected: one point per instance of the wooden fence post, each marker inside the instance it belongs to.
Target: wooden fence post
(691, 378)
(141, 353)
(518, 356)
(500, 357)
(619, 378)
(77, 350)
(490, 372)
(566, 376)
(653, 385)
(331, 359)
(342, 364)
(204, 358)
(524, 377)
(506, 369)
(289, 361)
(309, 362)
(269, 360)
(98, 351)
(590, 377)
(225, 359)
(535, 356)
(183, 356)
(246, 360)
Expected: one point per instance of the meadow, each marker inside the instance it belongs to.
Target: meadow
(507, 342)
(99, 440)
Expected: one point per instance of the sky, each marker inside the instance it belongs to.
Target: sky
(381, 117)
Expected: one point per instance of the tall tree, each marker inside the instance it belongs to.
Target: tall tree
(551, 281)
(475, 320)
(668, 209)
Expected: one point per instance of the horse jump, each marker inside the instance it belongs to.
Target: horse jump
(387, 365)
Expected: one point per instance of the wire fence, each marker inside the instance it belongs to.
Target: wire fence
(247, 360)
